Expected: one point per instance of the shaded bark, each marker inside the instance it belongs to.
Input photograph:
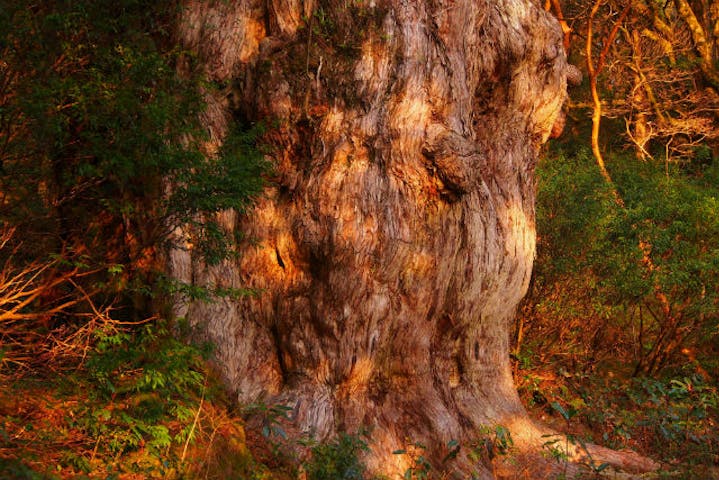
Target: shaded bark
(398, 236)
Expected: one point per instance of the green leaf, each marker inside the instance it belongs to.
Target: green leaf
(556, 406)
(601, 467)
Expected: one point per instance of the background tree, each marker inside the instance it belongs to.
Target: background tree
(658, 72)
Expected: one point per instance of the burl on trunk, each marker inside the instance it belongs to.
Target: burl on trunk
(397, 236)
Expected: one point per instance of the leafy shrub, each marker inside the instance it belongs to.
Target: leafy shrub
(623, 305)
(636, 280)
(149, 378)
(104, 154)
(338, 460)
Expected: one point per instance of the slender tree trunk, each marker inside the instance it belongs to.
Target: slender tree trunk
(556, 7)
(593, 72)
(398, 236)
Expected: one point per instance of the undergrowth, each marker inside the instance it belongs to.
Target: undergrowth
(139, 408)
(616, 343)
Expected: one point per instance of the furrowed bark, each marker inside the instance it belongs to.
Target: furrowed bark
(398, 236)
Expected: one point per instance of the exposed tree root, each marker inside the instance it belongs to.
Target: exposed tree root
(624, 460)
(532, 458)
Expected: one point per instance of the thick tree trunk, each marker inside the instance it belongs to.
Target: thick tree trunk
(399, 235)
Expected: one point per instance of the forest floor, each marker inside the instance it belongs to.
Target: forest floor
(52, 430)
(671, 421)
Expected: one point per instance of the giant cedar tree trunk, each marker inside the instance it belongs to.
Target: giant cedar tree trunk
(398, 235)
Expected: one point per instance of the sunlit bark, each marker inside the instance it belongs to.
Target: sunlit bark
(593, 71)
(397, 238)
(702, 41)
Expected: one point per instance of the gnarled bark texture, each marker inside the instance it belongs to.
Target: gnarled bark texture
(398, 237)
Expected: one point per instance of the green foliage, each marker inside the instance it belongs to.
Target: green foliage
(16, 469)
(99, 126)
(649, 266)
(495, 440)
(557, 445)
(453, 448)
(676, 415)
(139, 393)
(143, 380)
(227, 182)
(624, 300)
(335, 459)
(102, 156)
(71, 426)
(167, 364)
(669, 419)
(271, 417)
(420, 467)
(338, 460)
